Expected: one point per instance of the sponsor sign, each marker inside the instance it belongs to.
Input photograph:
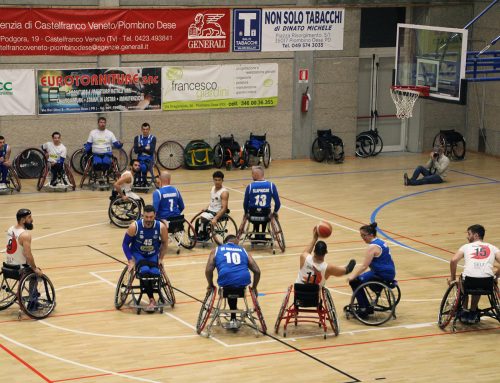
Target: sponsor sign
(302, 29)
(219, 86)
(40, 31)
(98, 90)
(17, 92)
(247, 30)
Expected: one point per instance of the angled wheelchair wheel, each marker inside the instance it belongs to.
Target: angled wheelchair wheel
(495, 301)
(242, 229)
(458, 149)
(266, 154)
(121, 158)
(69, 176)
(449, 305)
(258, 312)
(42, 177)
(206, 309)
(170, 155)
(8, 290)
(167, 290)
(76, 160)
(318, 152)
(338, 153)
(381, 302)
(224, 227)
(86, 177)
(123, 287)
(440, 140)
(218, 156)
(122, 213)
(330, 310)
(283, 308)
(379, 144)
(30, 162)
(278, 233)
(36, 296)
(365, 145)
(154, 179)
(187, 236)
(13, 180)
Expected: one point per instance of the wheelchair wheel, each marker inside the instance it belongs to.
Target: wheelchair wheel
(258, 311)
(458, 149)
(266, 154)
(123, 287)
(379, 144)
(154, 180)
(8, 288)
(449, 305)
(187, 237)
(30, 162)
(36, 296)
(76, 160)
(381, 300)
(170, 155)
(122, 158)
(495, 301)
(278, 233)
(365, 145)
(242, 228)
(42, 177)
(218, 156)
(122, 213)
(338, 153)
(282, 311)
(13, 180)
(331, 312)
(86, 172)
(440, 140)
(224, 227)
(206, 310)
(69, 176)
(166, 289)
(318, 153)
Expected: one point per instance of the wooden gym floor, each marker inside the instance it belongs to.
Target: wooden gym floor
(87, 340)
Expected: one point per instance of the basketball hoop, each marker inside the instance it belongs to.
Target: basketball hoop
(404, 98)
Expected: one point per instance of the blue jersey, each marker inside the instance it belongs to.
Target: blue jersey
(383, 265)
(140, 144)
(146, 242)
(259, 195)
(3, 151)
(168, 202)
(231, 261)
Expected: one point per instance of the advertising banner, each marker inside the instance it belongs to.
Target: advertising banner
(302, 29)
(98, 90)
(41, 31)
(219, 86)
(247, 30)
(17, 92)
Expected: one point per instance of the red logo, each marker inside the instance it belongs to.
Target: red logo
(12, 245)
(481, 252)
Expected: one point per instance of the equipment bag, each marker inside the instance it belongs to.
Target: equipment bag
(198, 154)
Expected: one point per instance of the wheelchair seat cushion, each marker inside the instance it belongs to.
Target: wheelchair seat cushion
(256, 142)
(306, 295)
(478, 286)
(259, 215)
(175, 224)
(233, 292)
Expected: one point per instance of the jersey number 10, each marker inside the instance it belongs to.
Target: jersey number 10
(233, 258)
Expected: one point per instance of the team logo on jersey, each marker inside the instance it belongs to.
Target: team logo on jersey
(12, 245)
(480, 252)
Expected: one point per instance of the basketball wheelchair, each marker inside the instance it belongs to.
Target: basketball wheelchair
(257, 150)
(97, 178)
(123, 212)
(452, 142)
(64, 179)
(271, 235)
(181, 232)
(35, 295)
(207, 232)
(131, 288)
(218, 313)
(383, 297)
(228, 151)
(328, 147)
(312, 303)
(13, 183)
(454, 301)
(152, 175)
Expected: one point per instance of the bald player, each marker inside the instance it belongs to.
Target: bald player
(167, 200)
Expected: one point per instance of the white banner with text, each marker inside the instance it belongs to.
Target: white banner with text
(17, 92)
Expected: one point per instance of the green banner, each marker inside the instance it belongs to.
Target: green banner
(225, 103)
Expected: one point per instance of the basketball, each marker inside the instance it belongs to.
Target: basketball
(324, 229)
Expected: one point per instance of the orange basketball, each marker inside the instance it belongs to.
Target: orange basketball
(324, 229)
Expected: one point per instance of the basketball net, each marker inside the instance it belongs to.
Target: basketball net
(404, 98)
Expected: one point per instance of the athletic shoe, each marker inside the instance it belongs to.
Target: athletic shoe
(53, 183)
(405, 176)
(3, 185)
(350, 266)
(364, 312)
(234, 324)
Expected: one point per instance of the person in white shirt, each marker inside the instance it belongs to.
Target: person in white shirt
(55, 152)
(479, 262)
(101, 142)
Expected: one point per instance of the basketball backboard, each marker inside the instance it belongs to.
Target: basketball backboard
(432, 56)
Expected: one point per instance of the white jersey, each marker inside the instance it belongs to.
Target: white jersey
(127, 187)
(55, 152)
(479, 258)
(14, 252)
(102, 141)
(312, 272)
(215, 203)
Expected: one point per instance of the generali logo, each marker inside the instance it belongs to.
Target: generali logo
(205, 32)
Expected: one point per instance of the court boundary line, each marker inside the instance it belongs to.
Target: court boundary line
(26, 364)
